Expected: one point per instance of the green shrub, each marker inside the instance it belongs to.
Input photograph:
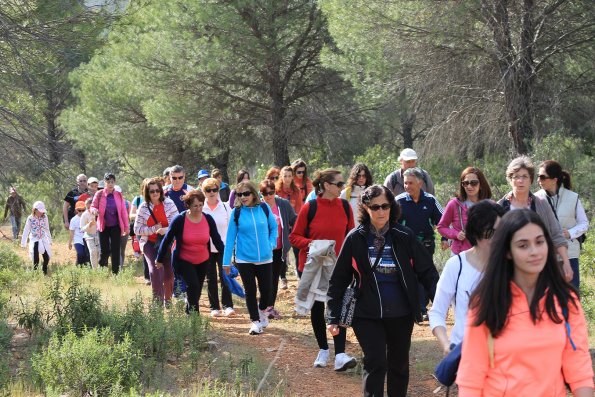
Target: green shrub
(92, 364)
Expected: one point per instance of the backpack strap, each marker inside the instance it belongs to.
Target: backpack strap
(567, 326)
(236, 215)
(313, 205)
(458, 277)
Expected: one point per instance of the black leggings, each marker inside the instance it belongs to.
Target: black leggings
(194, 277)
(319, 327)
(278, 264)
(46, 258)
(215, 264)
(109, 239)
(250, 273)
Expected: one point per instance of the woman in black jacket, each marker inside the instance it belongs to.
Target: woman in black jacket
(387, 298)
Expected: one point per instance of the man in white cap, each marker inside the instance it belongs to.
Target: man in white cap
(79, 193)
(394, 181)
(15, 205)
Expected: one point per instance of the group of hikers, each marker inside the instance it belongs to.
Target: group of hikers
(363, 258)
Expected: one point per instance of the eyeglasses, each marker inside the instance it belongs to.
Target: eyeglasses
(175, 178)
(473, 183)
(300, 172)
(270, 193)
(154, 191)
(244, 194)
(519, 177)
(543, 177)
(213, 190)
(338, 184)
(377, 207)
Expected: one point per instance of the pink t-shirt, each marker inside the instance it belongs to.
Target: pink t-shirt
(275, 209)
(195, 241)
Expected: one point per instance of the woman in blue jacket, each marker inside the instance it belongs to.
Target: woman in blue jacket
(252, 236)
(193, 232)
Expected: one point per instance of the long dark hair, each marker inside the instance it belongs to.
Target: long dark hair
(493, 296)
(355, 170)
(375, 191)
(553, 169)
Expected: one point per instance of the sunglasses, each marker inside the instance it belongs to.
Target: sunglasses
(271, 193)
(175, 178)
(473, 183)
(338, 184)
(300, 172)
(243, 194)
(543, 177)
(80, 210)
(274, 178)
(361, 175)
(154, 191)
(213, 190)
(377, 207)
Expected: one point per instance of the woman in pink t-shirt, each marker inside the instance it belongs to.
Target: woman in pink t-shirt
(193, 231)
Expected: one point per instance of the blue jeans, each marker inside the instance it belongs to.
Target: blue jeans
(81, 254)
(16, 226)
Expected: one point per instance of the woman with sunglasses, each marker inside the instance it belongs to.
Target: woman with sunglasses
(242, 176)
(359, 179)
(285, 217)
(220, 212)
(251, 238)
(462, 273)
(273, 174)
(300, 178)
(526, 332)
(153, 217)
(556, 190)
(520, 174)
(384, 261)
(473, 187)
(330, 222)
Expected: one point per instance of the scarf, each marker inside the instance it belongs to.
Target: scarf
(379, 236)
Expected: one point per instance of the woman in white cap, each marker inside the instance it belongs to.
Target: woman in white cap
(37, 230)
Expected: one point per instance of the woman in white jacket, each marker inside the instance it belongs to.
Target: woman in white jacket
(37, 230)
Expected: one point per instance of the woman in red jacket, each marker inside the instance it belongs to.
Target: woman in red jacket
(332, 220)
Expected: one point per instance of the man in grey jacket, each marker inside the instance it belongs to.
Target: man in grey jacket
(394, 181)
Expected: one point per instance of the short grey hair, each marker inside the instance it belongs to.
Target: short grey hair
(518, 164)
(79, 176)
(166, 171)
(415, 172)
(176, 168)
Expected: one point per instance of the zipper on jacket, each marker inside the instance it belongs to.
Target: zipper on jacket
(377, 288)
(400, 267)
(255, 233)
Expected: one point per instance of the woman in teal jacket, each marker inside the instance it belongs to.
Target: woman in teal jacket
(251, 237)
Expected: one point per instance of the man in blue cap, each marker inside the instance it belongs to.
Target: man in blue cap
(201, 176)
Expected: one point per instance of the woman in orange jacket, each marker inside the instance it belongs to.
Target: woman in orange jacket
(526, 332)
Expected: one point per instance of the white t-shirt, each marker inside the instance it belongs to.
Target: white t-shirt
(75, 225)
(445, 291)
(221, 215)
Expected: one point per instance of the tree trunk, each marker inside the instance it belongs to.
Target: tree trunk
(407, 123)
(52, 132)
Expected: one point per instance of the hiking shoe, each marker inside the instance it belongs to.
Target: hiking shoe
(344, 361)
(321, 359)
(255, 328)
(229, 312)
(283, 283)
(264, 319)
(215, 313)
(274, 314)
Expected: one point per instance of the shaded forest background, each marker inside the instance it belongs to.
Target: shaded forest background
(133, 87)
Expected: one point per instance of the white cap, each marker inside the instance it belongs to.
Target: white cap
(39, 206)
(92, 180)
(408, 154)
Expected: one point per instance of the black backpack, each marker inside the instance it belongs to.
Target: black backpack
(236, 215)
(312, 211)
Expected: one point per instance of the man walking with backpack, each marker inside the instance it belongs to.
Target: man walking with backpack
(395, 180)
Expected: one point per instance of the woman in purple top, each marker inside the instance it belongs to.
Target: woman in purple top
(112, 221)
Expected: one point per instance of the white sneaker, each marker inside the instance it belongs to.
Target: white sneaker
(215, 313)
(255, 328)
(264, 319)
(344, 361)
(321, 359)
(229, 312)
